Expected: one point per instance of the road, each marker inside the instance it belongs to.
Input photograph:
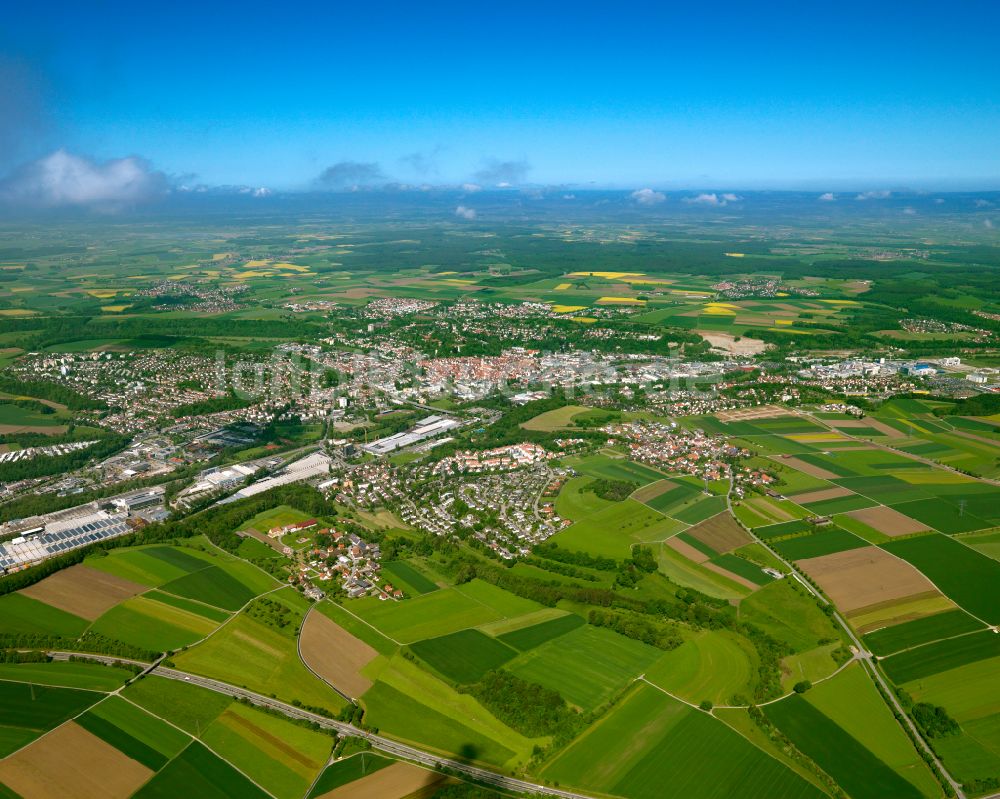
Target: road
(379, 742)
(863, 654)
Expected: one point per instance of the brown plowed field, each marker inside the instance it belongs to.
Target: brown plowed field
(866, 577)
(335, 654)
(70, 762)
(391, 782)
(83, 592)
(721, 532)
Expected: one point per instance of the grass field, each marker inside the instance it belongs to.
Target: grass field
(587, 665)
(671, 750)
(930, 659)
(197, 772)
(89, 676)
(402, 573)
(348, 770)
(22, 614)
(464, 657)
(825, 541)
(408, 678)
(187, 706)
(26, 711)
(246, 652)
(921, 631)
(429, 616)
(612, 531)
(134, 732)
(842, 756)
(213, 586)
(282, 757)
(402, 716)
(527, 638)
(712, 665)
(852, 702)
(614, 469)
(553, 420)
(153, 625)
(968, 577)
(787, 612)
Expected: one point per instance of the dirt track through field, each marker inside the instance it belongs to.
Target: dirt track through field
(336, 655)
(71, 762)
(391, 782)
(82, 591)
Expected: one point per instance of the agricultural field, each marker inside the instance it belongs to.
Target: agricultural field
(681, 751)
(248, 652)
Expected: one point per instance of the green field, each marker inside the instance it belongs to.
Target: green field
(930, 659)
(431, 615)
(463, 657)
(26, 711)
(190, 605)
(527, 638)
(197, 772)
(187, 706)
(651, 746)
(151, 566)
(587, 665)
(246, 652)
(613, 531)
(282, 757)
(788, 613)
(825, 541)
(843, 757)
(401, 572)
(852, 702)
(348, 770)
(712, 665)
(614, 469)
(153, 625)
(134, 732)
(212, 586)
(921, 631)
(22, 614)
(89, 676)
(968, 577)
(408, 719)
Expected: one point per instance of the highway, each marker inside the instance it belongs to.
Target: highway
(379, 742)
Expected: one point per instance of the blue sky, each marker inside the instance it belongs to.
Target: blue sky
(721, 95)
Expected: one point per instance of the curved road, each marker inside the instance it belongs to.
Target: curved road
(377, 741)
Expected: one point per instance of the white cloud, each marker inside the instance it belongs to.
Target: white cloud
(705, 199)
(731, 198)
(471, 187)
(827, 197)
(881, 194)
(464, 212)
(981, 203)
(648, 197)
(63, 178)
(909, 211)
(988, 223)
